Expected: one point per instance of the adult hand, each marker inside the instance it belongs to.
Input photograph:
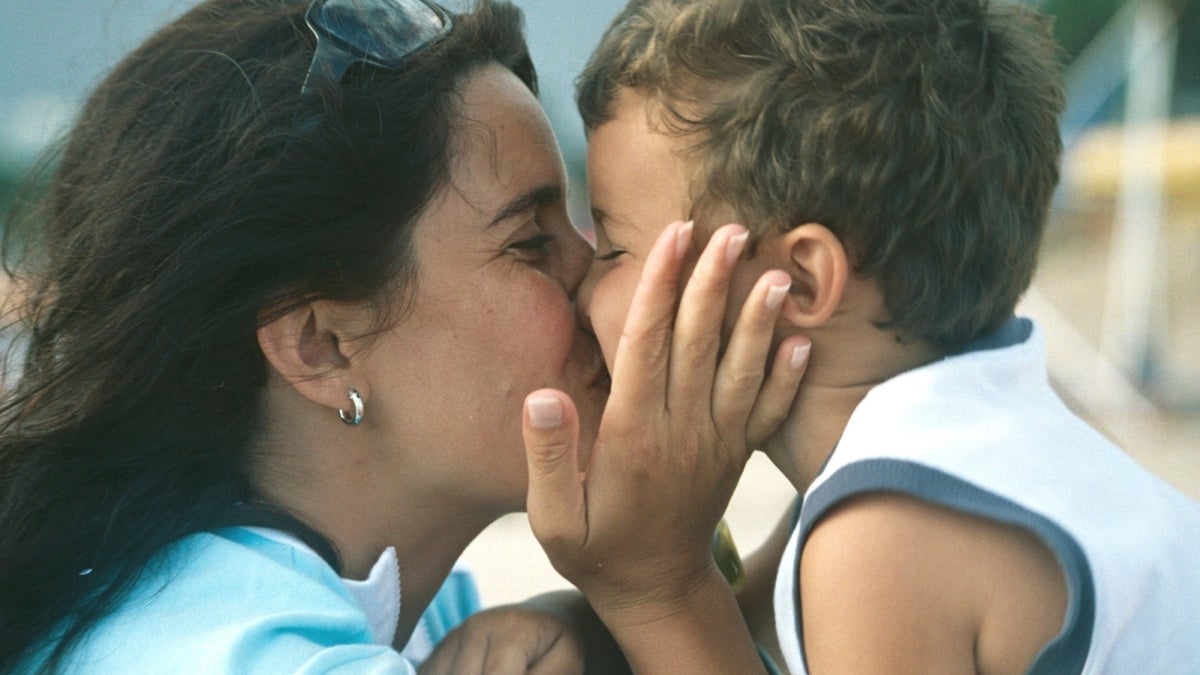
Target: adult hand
(630, 521)
(510, 640)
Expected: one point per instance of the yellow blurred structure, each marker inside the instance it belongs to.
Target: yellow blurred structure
(1094, 168)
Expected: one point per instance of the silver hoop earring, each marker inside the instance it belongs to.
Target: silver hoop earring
(355, 419)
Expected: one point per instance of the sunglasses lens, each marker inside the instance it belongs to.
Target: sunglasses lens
(382, 31)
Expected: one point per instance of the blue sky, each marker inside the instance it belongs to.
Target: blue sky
(54, 51)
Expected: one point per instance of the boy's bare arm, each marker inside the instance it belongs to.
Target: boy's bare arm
(893, 584)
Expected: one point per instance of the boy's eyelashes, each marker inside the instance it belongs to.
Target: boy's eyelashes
(612, 255)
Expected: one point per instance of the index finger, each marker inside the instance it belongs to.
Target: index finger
(642, 361)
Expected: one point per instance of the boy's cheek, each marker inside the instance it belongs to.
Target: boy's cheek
(610, 307)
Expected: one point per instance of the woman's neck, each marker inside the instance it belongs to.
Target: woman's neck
(428, 544)
(341, 490)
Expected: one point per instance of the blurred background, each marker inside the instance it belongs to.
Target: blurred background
(1118, 288)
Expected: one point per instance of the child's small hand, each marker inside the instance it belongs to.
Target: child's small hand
(630, 521)
(512, 640)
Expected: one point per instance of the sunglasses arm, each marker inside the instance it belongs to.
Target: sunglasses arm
(329, 64)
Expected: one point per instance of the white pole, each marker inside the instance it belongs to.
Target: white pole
(1133, 312)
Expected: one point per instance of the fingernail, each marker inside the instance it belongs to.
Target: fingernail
(800, 354)
(735, 246)
(545, 412)
(683, 239)
(775, 296)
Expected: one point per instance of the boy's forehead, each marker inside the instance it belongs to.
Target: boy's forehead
(635, 173)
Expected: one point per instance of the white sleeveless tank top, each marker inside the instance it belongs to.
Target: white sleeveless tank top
(983, 433)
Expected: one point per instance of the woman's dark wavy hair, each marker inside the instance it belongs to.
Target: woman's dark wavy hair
(183, 213)
(923, 133)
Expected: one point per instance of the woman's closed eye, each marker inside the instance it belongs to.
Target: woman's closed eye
(532, 248)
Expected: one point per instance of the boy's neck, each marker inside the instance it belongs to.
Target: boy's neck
(847, 362)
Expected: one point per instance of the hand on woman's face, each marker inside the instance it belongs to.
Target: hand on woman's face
(492, 314)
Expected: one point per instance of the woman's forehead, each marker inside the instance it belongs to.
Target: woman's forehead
(504, 146)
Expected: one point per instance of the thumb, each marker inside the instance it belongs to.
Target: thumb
(555, 500)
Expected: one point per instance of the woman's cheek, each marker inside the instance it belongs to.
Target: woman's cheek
(555, 318)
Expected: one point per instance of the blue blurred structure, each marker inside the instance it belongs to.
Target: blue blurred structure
(54, 52)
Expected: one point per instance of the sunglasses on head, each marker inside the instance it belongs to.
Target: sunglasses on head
(380, 33)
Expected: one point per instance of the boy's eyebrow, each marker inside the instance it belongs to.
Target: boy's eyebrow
(541, 196)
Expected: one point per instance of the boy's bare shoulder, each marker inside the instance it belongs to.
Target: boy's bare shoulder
(890, 583)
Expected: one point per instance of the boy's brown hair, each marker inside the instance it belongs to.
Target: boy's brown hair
(923, 134)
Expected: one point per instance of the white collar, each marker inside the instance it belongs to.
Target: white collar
(378, 596)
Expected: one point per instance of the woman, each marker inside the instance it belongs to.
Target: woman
(284, 303)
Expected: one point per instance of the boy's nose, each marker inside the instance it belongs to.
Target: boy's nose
(583, 301)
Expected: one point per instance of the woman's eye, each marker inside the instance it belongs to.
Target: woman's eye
(613, 255)
(533, 245)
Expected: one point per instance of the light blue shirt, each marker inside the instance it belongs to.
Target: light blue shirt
(245, 600)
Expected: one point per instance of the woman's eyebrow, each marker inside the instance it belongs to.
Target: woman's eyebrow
(541, 196)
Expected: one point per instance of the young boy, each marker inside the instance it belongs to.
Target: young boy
(897, 159)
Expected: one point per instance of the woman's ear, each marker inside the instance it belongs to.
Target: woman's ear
(309, 346)
(820, 268)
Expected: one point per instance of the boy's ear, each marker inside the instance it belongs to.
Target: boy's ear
(820, 269)
(310, 347)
